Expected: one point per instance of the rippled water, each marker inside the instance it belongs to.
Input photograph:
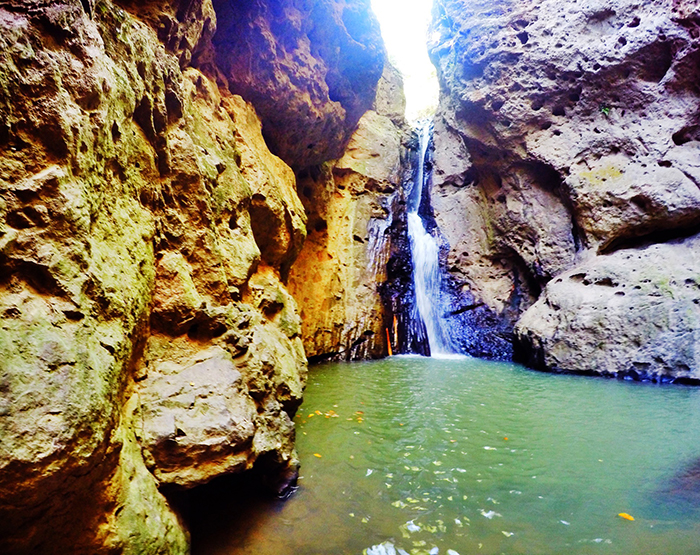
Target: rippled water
(478, 457)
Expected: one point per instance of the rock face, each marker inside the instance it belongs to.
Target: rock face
(146, 235)
(310, 69)
(635, 312)
(566, 131)
(338, 274)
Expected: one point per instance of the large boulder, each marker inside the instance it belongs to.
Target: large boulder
(635, 312)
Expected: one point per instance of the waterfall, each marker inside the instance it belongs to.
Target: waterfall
(424, 251)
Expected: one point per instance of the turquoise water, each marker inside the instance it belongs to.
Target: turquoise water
(419, 454)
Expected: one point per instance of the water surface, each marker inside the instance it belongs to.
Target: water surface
(478, 458)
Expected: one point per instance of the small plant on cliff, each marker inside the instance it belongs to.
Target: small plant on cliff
(605, 110)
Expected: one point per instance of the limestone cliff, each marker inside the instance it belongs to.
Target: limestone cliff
(337, 277)
(310, 68)
(566, 157)
(147, 337)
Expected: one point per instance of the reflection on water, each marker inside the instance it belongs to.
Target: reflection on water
(461, 456)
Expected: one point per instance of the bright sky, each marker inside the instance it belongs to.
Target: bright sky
(404, 28)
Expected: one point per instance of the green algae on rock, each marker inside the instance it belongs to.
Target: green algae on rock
(146, 234)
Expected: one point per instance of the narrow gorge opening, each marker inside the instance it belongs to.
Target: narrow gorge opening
(405, 26)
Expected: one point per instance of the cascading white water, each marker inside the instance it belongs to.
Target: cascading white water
(424, 251)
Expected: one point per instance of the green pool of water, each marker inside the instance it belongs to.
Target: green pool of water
(478, 457)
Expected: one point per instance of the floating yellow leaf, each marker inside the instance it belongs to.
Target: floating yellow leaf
(318, 412)
(311, 415)
(317, 455)
(626, 516)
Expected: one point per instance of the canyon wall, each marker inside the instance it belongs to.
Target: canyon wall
(147, 336)
(351, 204)
(566, 177)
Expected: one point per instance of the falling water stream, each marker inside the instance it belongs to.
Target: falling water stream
(424, 253)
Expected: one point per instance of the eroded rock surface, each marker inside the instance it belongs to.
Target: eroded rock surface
(146, 235)
(565, 131)
(635, 312)
(337, 277)
(310, 69)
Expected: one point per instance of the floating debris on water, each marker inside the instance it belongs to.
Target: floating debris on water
(596, 540)
(386, 548)
(412, 526)
(489, 514)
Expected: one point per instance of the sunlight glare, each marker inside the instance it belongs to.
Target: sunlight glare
(404, 26)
